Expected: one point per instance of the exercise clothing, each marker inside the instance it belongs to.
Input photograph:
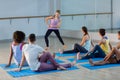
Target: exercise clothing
(32, 52)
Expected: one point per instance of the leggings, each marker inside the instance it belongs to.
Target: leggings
(53, 65)
(96, 53)
(77, 48)
(57, 34)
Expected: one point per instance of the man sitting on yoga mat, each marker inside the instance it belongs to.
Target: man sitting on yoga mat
(38, 58)
(83, 46)
(100, 50)
(112, 58)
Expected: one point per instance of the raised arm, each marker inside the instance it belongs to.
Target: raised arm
(48, 18)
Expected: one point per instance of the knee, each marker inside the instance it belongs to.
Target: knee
(113, 49)
(47, 53)
(97, 46)
(76, 44)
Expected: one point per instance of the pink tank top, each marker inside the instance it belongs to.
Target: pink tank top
(54, 23)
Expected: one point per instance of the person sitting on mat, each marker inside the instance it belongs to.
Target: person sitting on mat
(53, 27)
(38, 58)
(100, 50)
(83, 46)
(16, 48)
(112, 58)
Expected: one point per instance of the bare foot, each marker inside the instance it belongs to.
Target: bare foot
(54, 55)
(47, 48)
(91, 62)
(78, 56)
(61, 51)
(64, 47)
(73, 63)
(61, 68)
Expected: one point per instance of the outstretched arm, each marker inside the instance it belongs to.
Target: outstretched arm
(110, 46)
(92, 44)
(10, 58)
(22, 62)
(110, 54)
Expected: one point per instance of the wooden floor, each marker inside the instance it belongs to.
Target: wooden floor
(80, 74)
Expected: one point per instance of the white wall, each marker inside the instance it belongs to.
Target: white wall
(15, 8)
(116, 13)
(83, 7)
(9, 8)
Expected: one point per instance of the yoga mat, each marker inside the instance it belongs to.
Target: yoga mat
(65, 55)
(88, 66)
(13, 65)
(28, 72)
(84, 60)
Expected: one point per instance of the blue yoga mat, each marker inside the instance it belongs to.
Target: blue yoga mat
(28, 72)
(88, 66)
(65, 55)
(84, 60)
(13, 65)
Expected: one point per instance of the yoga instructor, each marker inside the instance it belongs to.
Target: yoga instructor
(53, 26)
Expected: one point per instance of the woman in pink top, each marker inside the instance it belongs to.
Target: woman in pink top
(53, 27)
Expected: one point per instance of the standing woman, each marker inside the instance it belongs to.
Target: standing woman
(53, 26)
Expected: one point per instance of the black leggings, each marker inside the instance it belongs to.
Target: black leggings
(77, 48)
(57, 34)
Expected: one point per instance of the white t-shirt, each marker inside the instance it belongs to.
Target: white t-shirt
(31, 52)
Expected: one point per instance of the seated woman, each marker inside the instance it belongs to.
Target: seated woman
(112, 58)
(37, 58)
(16, 48)
(83, 46)
(100, 50)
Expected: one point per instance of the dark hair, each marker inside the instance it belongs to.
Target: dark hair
(102, 32)
(18, 36)
(85, 30)
(119, 32)
(58, 11)
(32, 37)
